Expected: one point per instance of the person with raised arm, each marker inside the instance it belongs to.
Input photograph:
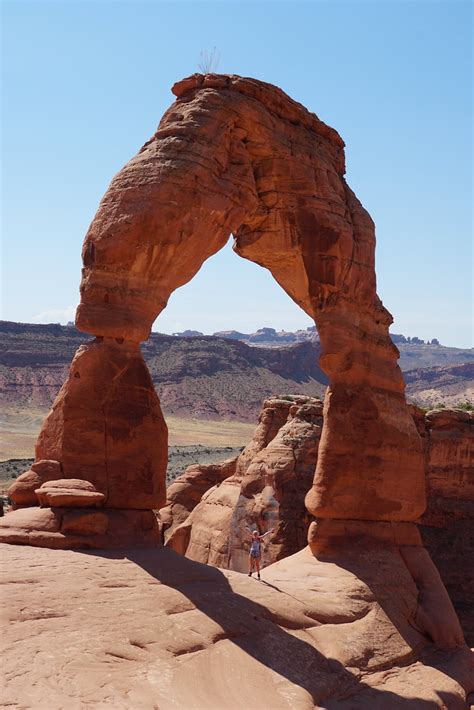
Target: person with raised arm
(255, 552)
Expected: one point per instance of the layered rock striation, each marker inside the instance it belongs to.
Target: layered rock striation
(239, 156)
(236, 156)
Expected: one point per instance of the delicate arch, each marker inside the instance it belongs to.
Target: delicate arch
(235, 155)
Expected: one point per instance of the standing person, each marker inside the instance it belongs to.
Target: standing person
(255, 551)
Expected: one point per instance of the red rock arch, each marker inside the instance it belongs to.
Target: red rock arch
(238, 156)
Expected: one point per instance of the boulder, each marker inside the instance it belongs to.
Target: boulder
(22, 491)
(69, 493)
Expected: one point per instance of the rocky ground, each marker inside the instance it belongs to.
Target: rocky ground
(312, 634)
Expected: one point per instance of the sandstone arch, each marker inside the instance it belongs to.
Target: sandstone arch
(238, 156)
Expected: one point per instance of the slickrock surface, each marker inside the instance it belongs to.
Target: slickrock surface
(150, 629)
(447, 526)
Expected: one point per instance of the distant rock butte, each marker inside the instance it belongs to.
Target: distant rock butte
(234, 156)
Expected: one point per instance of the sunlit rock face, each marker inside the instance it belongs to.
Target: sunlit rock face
(238, 156)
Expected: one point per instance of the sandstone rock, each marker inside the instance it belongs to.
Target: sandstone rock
(267, 491)
(62, 528)
(22, 491)
(186, 491)
(313, 634)
(29, 520)
(238, 156)
(69, 492)
(273, 415)
(448, 522)
(106, 426)
(215, 532)
(85, 523)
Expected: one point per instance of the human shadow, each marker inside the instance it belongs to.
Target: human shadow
(258, 632)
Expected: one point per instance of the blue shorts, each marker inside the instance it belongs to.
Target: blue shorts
(254, 553)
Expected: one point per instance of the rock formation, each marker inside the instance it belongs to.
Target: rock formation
(448, 522)
(235, 156)
(265, 488)
(238, 156)
(267, 495)
(106, 430)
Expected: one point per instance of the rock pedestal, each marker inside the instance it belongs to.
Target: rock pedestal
(103, 445)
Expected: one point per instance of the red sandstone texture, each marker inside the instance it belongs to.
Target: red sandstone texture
(236, 156)
(22, 491)
(150, 628)
(106, 426)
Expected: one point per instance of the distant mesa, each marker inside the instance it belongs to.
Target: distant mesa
(270, 336)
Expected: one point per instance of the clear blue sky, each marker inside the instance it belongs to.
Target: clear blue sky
(85, 84)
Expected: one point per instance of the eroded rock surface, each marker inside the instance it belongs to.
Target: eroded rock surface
(236, 156)
(447, 525)
(106, 426)
(23, 491)
(104, 443)
(339, 633)
(265, 490)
